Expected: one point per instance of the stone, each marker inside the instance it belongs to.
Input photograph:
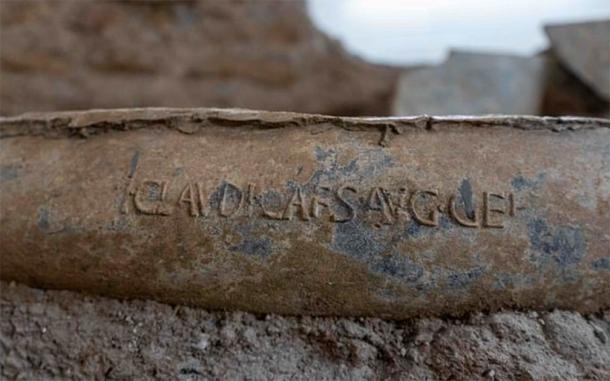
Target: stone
(473, 84)
(584, 48)
(566, 94)
(309, 214)
(69, 55)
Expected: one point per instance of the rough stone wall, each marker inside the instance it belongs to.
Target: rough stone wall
(569, 78)
(584, 48)
(471, 83)
(566, 94)
(55, 335)
(67, 55)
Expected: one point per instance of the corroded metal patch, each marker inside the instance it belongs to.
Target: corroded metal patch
(292, 213)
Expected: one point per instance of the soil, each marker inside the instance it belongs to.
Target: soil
(69, 55)
(55, 335)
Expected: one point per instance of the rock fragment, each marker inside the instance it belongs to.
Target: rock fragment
(566, 94)
(584, 48)
(473, 84)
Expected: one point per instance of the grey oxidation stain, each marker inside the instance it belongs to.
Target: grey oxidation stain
(359, 241)
(458, 280)
(255, 247)
(398, 266)
(154, 192)
(415, 230)
(466, 196)
(374, 248)
(43, 219)
(254, 241)
(50, 225)
(506, 280)
(601, 264)
(561, 245)
(8, 172)
(231, 193)
(368, 165)
(520, 182)
(133, 164)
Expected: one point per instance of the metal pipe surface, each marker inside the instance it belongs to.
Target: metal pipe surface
(309, 214)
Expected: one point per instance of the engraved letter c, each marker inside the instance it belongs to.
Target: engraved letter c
(432, 219)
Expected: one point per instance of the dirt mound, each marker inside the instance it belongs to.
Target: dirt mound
(65, 335)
